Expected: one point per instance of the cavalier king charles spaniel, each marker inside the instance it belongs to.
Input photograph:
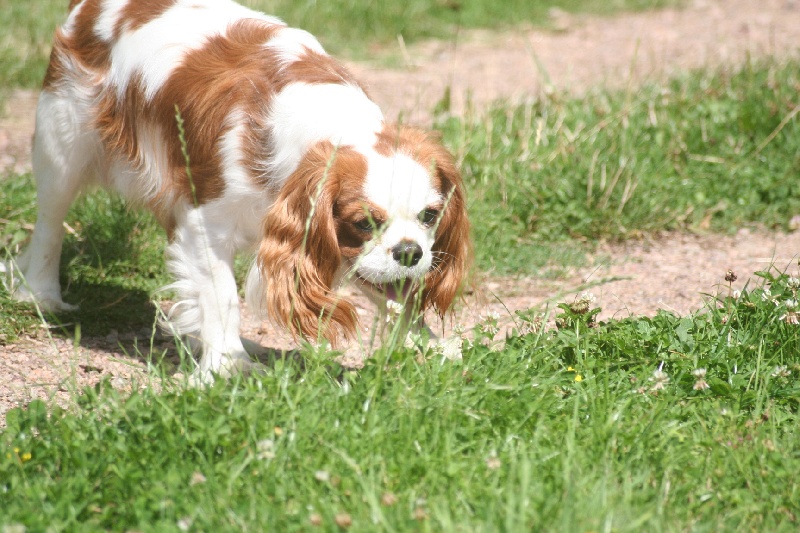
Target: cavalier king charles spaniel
(240, 133)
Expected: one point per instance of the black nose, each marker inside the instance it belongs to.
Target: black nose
(407, 253)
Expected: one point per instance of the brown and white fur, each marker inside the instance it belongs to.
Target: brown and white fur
(288, 157)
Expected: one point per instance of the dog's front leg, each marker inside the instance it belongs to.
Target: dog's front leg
(207, 313)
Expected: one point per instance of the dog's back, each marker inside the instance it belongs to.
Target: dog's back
(120, 70)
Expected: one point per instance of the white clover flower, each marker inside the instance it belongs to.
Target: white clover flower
(700, 376)
(587, 297)
(197, 479)
(265, 449)
(393, 310)
(393, 307)
(660, 379)
(493, 462)
(583, 303)
(660, 376)
(490, 329)
(489, 325)
(781, 372)
(792, 318)
(450, 348)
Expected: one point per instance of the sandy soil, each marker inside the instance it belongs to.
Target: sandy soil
(670, 272)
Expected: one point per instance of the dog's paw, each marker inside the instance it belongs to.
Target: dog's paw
(47, 302)
(6, 276)
(56, 306)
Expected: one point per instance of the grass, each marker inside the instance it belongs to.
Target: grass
(26, 30)
(571, 429)
(707, 152)
(112, 263)
(664, 423)
(344, 27)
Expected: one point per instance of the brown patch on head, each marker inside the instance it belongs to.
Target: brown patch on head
(351, 213)
(452, 249)
(300, 252)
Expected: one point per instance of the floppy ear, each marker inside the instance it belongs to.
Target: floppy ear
(299, 254)
(452, 249)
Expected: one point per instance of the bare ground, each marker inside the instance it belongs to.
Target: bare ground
(671, 272)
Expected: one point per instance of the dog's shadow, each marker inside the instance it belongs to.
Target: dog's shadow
(128, 328)
(115, 320)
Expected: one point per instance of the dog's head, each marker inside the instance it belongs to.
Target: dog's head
(390, 217)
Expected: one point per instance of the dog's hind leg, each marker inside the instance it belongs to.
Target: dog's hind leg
(63, 149)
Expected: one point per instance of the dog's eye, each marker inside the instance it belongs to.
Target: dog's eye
(367, 225)
(428, 217)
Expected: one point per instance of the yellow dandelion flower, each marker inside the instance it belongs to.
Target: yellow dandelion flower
(578, 378)
(25, 457)
(570, 369)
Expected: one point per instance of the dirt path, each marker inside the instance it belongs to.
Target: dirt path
(588, 51)
(672, 272)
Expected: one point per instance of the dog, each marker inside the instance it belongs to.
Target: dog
(240, 133)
